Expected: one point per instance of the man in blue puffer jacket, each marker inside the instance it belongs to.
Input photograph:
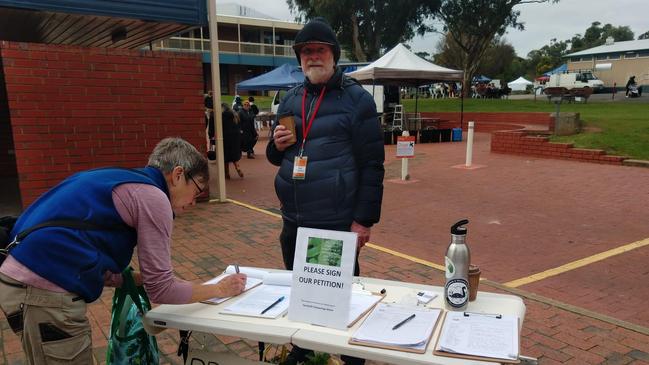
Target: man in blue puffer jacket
(338, 140)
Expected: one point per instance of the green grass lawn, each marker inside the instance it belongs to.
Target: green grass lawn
(618, 128)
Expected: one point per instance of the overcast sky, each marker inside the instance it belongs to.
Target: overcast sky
(542, 21)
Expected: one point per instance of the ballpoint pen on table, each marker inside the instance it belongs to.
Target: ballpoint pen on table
(272, 305)
(494, 315)
(403, 322)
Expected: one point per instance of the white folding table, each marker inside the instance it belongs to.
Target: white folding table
(206, 318)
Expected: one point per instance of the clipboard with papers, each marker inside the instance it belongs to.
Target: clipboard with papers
(268, 300)
(361, 303)
(397, 327)
(479, 336)
(254, 278)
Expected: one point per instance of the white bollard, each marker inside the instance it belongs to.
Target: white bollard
(469, 144)
(404, 162)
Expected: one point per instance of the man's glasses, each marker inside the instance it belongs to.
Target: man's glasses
(200, 191)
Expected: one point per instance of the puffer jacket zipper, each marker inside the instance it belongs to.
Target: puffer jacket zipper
(305, 120)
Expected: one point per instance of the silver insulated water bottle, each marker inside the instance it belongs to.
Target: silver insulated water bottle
(458, 257)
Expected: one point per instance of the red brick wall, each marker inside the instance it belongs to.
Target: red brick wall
(76, 108)
(520, 143)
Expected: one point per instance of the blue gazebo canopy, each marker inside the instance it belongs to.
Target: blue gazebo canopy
(481, 78)
(98, 23)
(282, 78)
(561, 69)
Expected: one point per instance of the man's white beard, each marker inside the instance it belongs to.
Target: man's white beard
(319, 75)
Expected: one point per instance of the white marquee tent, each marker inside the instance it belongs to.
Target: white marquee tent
(520, 84)
(402, 67)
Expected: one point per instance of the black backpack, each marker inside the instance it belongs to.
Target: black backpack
(6, 225)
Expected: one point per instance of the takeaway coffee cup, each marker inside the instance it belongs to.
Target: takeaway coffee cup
(474, 281)
(288, 121)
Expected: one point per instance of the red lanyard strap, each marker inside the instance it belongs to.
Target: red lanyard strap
(307, 127)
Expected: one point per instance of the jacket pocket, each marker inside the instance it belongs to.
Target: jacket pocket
(75, 350)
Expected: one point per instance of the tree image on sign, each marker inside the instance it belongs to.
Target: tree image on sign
(324, 251)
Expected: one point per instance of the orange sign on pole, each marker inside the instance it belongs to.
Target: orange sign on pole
(406, 146)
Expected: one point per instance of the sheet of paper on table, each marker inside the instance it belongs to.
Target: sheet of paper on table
(483, 335)
(274, 287)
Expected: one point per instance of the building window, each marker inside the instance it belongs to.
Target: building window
(586, 58)
(601, 57)
(643, 53)
(630, 55)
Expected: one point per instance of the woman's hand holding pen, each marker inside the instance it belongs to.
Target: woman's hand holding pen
(231, 285)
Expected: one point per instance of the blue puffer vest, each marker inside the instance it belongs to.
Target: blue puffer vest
(76, 260)
(344, 175)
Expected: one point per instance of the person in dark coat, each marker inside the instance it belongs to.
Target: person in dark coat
(250, 135)
(209, 125)
(342, 188)
(231, 140)
(236, 103)
(629, 83)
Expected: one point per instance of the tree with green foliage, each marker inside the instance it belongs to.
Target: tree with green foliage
(596, 35)
(549, 56)
(644, 35)
(365, 28)
(494, 63)
(473, 25)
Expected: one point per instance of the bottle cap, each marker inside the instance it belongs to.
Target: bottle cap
(457, 228)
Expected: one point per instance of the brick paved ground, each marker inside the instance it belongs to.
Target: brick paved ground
(214, 235)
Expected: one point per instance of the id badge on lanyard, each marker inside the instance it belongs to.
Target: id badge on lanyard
(300, 161)
(299, 167)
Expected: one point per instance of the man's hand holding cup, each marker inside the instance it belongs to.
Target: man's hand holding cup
(284, 133)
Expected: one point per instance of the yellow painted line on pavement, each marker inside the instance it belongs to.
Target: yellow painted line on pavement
(511, 284)
(370, 245)
(251, 207)
(404, 256)
(577, 264)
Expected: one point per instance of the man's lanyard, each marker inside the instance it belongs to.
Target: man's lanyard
(307, 127)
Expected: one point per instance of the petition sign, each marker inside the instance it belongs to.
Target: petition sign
(323, 269)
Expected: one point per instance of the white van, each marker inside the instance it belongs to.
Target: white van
(572, 80)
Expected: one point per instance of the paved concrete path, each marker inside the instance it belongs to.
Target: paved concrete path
(527, 216)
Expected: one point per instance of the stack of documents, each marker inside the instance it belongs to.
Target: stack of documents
(400, 327)
(481, 335)
(268, 300)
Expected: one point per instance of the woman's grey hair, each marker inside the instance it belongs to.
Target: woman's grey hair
(175, 151)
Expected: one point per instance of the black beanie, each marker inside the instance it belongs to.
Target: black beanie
(317, 30)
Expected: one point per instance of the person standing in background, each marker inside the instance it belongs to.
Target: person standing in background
(231, 140)
(250, 135)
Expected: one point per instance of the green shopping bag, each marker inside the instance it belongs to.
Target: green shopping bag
(129, 343)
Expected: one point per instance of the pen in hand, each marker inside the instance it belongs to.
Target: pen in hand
(236, 268)
(403, 322)
(272, 305)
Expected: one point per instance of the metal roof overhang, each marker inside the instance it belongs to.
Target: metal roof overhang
(98, 23)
